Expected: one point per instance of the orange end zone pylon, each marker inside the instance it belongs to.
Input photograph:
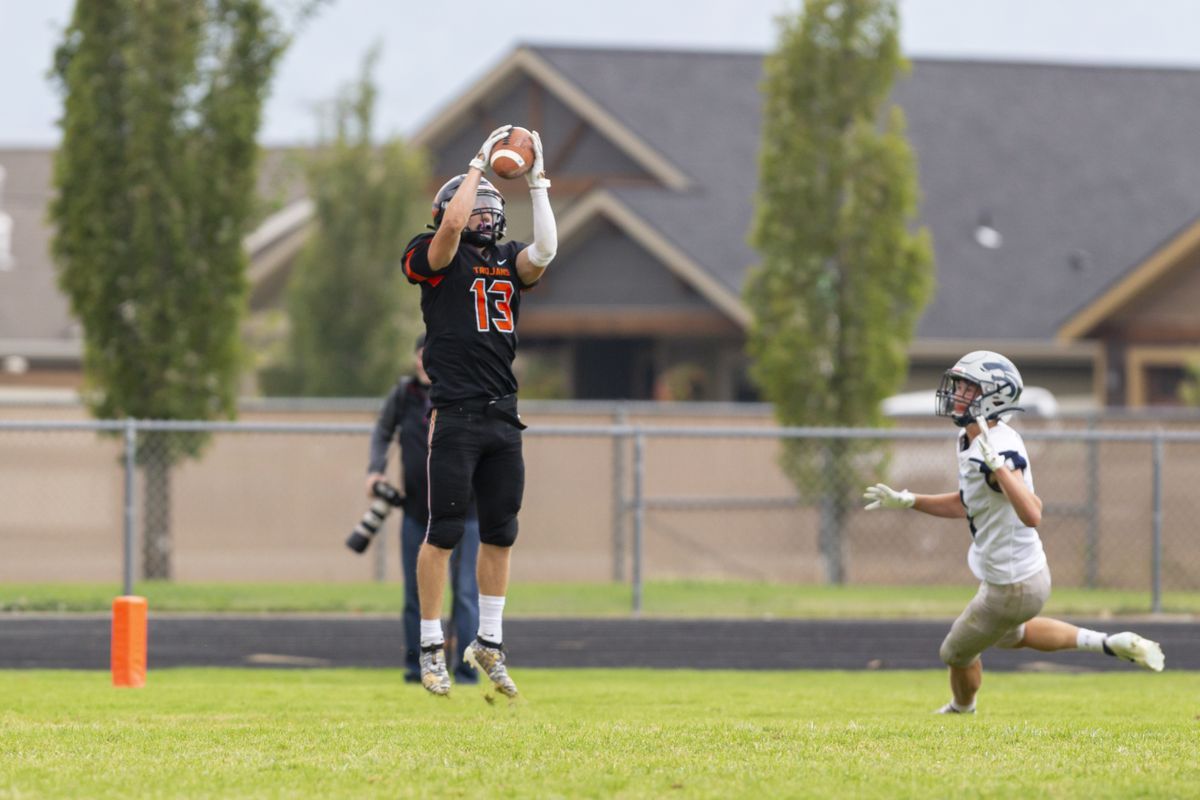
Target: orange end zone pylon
(129, 641)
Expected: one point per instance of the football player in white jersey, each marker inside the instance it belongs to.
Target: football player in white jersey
(996, 497)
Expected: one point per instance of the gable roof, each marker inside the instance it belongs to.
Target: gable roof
(1088, 173)
(526, 61)
(1129, 286)
(607, 204)
(1080, 168)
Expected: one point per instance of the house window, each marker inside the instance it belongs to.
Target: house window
(1163, 384)
(1158, 373)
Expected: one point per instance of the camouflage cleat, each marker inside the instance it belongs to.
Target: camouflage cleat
(490, 661)
(434, 676)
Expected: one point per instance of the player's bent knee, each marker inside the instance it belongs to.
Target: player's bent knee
(500, 536)
(952, 657)
(446, 534)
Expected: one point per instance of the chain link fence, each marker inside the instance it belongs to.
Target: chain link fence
(88, 501)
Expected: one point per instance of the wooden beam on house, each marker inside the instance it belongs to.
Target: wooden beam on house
(1156, 266)
(525, 61)
(605, 204)
(627, 321)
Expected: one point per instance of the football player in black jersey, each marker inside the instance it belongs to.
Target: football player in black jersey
(471, 285)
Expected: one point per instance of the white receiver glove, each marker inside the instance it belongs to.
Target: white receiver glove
(883, 496)
(480, 161)
(991, 458)
(536, 177)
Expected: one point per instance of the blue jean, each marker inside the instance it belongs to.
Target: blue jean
(464, 587)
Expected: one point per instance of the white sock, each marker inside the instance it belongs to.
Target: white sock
(431, 632)
(1090, 640)
(491, 610)
(962, 709)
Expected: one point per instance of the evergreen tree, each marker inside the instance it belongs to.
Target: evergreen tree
(843, 276)
(352, 318)
(155, 178)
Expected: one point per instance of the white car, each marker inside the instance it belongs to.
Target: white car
(1035, 400)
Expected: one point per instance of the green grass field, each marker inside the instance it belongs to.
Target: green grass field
(661, 598)
(597, 733)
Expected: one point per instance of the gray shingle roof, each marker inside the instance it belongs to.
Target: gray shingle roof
(1083, 170)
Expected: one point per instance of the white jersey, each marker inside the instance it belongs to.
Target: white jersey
(1003, 550)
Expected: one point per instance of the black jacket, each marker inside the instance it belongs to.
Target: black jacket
(405, 417)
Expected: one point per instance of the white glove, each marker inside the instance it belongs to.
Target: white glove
(993, 460)
(480, 161)
(883, 496)
(536, 177)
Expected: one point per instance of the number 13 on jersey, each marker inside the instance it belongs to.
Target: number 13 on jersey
(497, 313)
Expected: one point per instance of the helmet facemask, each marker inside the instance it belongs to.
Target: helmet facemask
(952, 392)
(488, 202)
(486, 224)
(998, 385)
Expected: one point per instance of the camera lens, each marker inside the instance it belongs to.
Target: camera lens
(386, 491)
(368, 526)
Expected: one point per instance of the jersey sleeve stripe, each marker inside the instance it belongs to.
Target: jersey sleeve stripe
(408, 267)
(417, 277)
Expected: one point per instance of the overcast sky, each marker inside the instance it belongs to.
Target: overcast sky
(431, 55)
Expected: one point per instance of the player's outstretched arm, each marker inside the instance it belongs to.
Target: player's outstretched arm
(444, 244)
(533, 260)
(939, 505)
(948, 505)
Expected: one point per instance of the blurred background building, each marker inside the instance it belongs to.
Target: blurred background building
(1063, 200)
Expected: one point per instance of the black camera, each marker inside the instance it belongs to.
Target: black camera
(386, 498)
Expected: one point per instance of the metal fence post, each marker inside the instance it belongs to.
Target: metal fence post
(1091, 547)
(1156, 554)
(130, 477)
(620, 506)
(381, 555)
(639, 515)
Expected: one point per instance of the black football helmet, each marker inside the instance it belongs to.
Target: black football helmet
(488, 200)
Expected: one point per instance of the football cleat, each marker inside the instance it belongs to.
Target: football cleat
(434, 676)
(950, 709)
(1131, 647)
(490, 661)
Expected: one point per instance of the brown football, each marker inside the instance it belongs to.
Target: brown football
(512, 156)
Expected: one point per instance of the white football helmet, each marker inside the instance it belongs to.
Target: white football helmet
(999, 383)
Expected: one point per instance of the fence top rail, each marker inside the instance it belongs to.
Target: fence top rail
(608, 431)
(140, 425)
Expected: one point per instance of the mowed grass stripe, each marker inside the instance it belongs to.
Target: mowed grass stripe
(661, 598)
(596, 733)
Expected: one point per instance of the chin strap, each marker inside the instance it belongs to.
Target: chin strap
(478, 239)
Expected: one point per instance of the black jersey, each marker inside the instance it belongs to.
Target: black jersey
(471, 309)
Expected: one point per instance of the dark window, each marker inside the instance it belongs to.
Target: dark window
(614, 369)
(1162, 385)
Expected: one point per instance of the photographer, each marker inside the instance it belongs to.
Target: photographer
(405, 417)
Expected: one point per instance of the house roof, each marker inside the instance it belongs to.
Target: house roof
(1087, 173)
(1082, 170)
(1127, 287)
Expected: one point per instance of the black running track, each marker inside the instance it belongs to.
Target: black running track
(52, 641)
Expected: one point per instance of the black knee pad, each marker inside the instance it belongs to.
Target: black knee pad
(445, 532)
(503, 535)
